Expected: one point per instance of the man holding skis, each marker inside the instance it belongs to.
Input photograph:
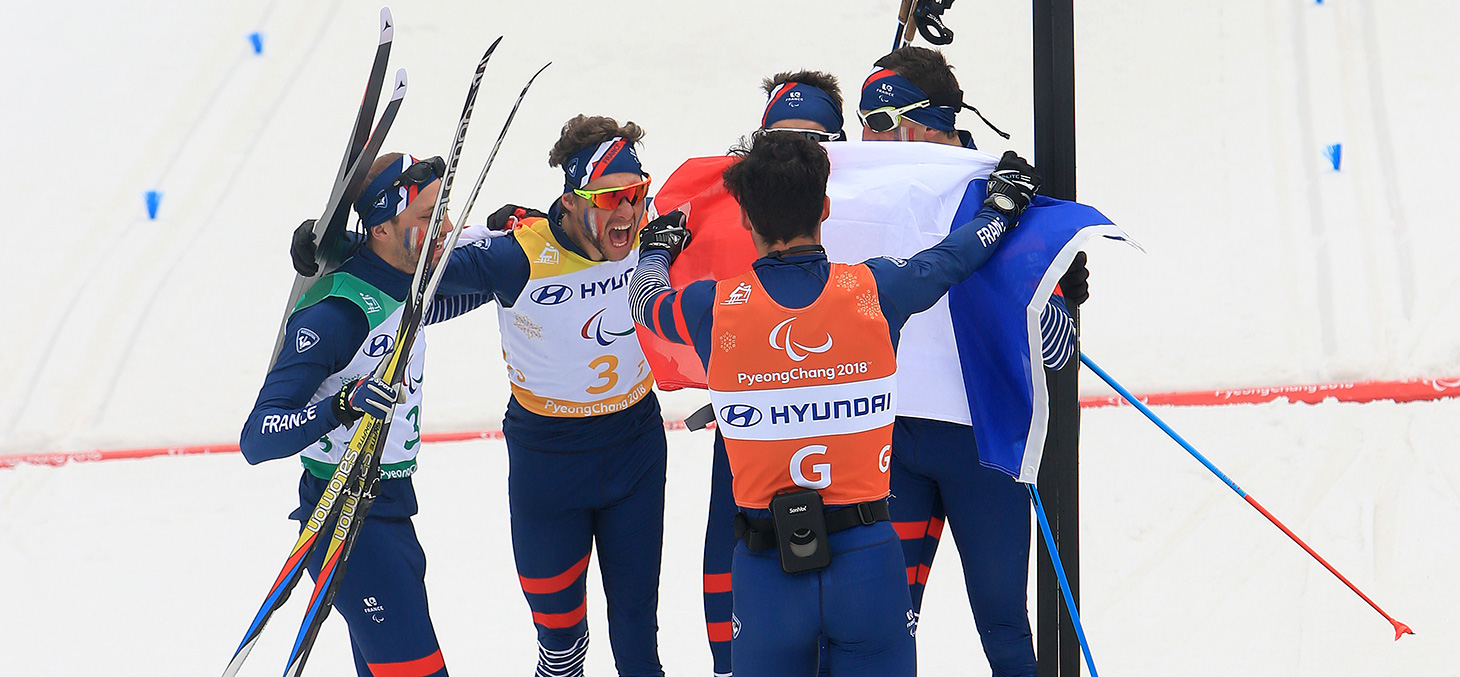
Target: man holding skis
(584, 435)
(808, 420)
(322, 384)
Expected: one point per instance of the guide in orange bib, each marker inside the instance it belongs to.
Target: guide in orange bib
(800, 358)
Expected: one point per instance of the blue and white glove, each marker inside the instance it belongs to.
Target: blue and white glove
(365, 395)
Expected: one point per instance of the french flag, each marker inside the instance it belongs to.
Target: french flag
(975, 357)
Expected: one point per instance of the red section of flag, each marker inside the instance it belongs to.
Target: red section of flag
(719, 248)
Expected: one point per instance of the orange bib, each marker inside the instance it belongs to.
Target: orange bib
(804, 397)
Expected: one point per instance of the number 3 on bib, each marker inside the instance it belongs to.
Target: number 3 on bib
(604, 365)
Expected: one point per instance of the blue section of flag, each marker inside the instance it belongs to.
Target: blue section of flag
(990, 314)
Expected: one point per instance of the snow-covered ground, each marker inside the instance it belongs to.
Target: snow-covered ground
(156, 566)
(1201, 131)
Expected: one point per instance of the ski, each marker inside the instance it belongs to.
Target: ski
(482, 177)
(364, 450)
(331, 225)
(905, 27)
(325, 512)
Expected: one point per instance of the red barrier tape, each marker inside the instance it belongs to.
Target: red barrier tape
(1411, 390)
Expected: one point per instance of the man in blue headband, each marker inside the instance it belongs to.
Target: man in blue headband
(912, 95)
(319, 388)
(806, 102)
(585, 439)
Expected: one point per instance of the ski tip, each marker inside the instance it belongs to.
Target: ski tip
(400, 85)
(1400, 629)
(494, 44)
(387, 26)
(534, 76)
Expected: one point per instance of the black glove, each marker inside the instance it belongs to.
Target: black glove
(666, 233)
(303, 250)
(365, 395)
(1076, 283)
(1012, 186)
(509, 215)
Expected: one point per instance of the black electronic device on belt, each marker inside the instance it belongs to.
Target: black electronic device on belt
(800, 525)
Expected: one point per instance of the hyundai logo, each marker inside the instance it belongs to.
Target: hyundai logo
(552, 295)
(379, 346)
(739, 415)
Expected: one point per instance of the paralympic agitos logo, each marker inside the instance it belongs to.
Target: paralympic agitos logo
(791, 346)
(593, 330)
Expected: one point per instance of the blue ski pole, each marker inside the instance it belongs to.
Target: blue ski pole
(1059, 571)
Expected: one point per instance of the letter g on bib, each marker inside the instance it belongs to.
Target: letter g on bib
(821, 471)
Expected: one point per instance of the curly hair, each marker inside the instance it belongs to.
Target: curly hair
(821, 80)
(584, 130)
(780, 180)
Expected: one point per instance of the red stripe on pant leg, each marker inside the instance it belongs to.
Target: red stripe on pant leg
(720, 632)
(923, 571)
(552, 584)
(910, 530)
(717, 583)
(563, 620)
(912, 575)
(416, 668)
(935, 528)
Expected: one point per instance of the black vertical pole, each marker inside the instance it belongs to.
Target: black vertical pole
(1059, 480)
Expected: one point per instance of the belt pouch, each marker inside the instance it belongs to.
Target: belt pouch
(800, 526)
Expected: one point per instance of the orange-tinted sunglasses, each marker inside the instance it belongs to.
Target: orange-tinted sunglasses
(609, 198)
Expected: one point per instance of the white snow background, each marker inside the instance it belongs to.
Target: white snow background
(1201, 131)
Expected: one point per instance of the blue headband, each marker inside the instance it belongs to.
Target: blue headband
(886, 88)
(800, 101)
(614, 156)
(377, 204)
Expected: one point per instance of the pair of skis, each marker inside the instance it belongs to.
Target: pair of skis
(364, 145)
(351, 490)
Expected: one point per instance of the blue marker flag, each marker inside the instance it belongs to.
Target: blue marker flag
(257, 40)
(1334, 153)
(154, 200)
